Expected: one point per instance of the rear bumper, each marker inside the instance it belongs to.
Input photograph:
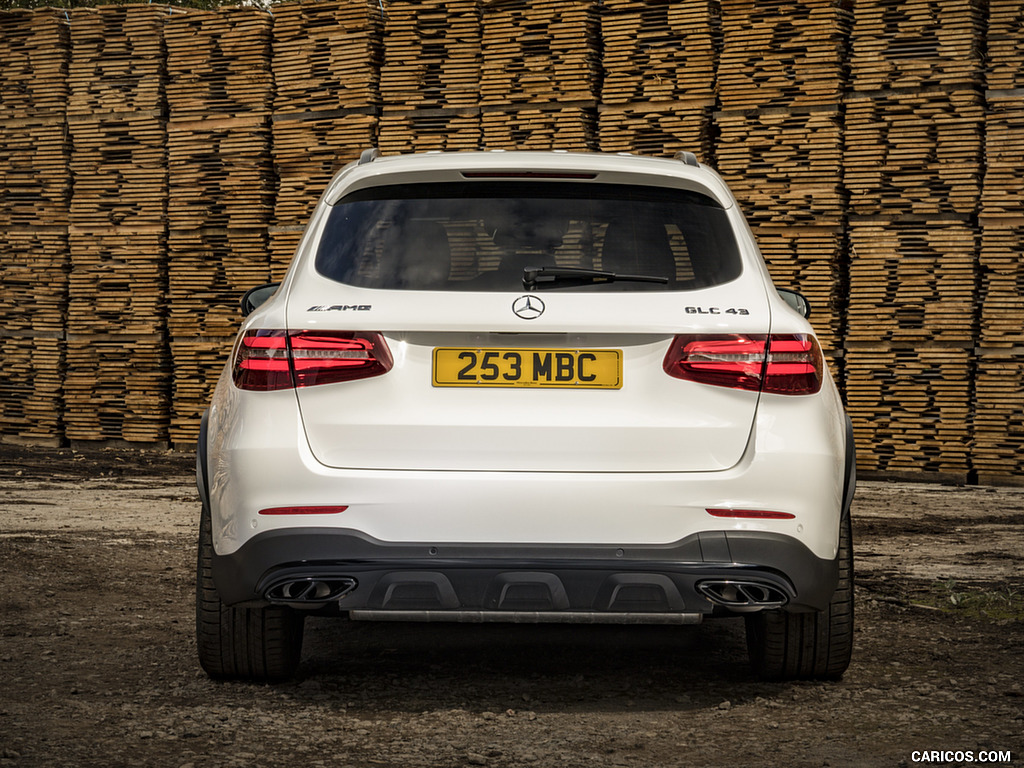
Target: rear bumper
(544, 579)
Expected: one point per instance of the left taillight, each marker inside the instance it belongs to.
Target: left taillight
(268, 360)
(783, 364)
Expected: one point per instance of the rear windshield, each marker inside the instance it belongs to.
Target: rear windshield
(480, 236)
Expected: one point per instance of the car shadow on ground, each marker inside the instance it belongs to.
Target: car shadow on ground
(502, 667)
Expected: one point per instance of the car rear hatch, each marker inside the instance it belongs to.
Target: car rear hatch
(565, 373)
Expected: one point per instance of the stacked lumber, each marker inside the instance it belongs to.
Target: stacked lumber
(910, 409)
(221, 192)
(430, 79)
(998, 450)
(657, 129)
(326, 55)
(34, 49)
(1005, 39)
(539, 52)
(429, 130)
(912, 284)
(539, 74)
(659, 76)
(778, 53)
(784, 166)
(914, 138)
(911, 304)
(431, 54)
(326, 59)
(916, 43)
(542, 128)
(116, 387)
(914, 154)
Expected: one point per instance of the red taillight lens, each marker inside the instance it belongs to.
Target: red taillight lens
(273, 359)
(785, 364)
(322, 357)
(261, 361)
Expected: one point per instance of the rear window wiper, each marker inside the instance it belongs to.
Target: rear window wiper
(535, 278)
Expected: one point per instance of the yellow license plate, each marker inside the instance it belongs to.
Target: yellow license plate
(567, 368)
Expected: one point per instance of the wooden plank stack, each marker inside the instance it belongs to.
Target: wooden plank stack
(326, 59)
(118, 363)
(660, 60)
(34, 49)
(539, 74)
(430, 78)
(914, 136)
(998, 450)
(780, 84)
(221, 192)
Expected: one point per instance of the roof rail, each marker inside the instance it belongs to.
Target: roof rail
(369, 155)
(687, 157)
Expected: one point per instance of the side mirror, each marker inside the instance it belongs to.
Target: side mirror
(256, 296)
(796, 301)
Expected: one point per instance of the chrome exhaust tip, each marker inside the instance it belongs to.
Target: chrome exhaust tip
(743, 596)
(309, 590)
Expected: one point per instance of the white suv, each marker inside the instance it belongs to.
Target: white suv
(525, 387)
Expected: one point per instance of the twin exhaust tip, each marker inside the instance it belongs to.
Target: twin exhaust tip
(743, 596)
(308, 591)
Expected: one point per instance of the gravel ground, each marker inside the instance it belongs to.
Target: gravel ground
(98, 668)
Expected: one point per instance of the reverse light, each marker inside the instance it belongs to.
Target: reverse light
(268, 360)
(751, 514)
(783, 364)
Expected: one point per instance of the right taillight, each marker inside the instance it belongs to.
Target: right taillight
(267, 360)
(785, 364)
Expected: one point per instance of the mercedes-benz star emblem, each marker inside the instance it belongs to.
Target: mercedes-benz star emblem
(528, 307)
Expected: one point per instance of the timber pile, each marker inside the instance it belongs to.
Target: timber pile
(222, 189)
(326, 63)
(784, 166)
(657, 51)
(914, 154)
(551, 127)
(431, 54)
(657, 129)
(1002, 193)
(998, 449)
(778, 53)
(539, 52)
(427, 130)
(34, 49)
(659, 77)
(326, 55)
(539, 76)
(916, 44)
(910, 409)
(1005, 40)
(116, 387)
(912, 284)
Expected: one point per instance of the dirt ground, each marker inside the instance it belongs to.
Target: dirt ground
(98, 667)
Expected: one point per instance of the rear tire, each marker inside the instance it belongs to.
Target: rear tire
(807, 646)
(261, 644)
